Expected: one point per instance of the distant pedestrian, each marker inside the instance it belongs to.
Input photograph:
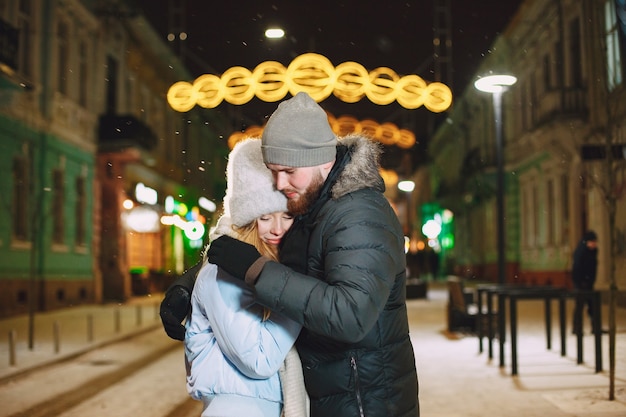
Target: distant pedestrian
(584, 268)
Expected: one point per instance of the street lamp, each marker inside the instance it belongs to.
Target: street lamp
(274, 33)
(496, 85)
(407, 187)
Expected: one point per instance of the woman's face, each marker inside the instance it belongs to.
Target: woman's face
(272, 227)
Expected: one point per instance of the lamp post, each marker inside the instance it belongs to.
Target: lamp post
(407, 187)
(496, 85)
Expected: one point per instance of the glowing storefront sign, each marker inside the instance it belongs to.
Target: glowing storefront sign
(207, 204)
(142, 220)
(191, 222)
(145, 194)
(174, 206)
(314, 74)
(431, 229)
(193, 230)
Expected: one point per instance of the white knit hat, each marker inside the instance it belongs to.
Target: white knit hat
(250, 191)
(298, 134)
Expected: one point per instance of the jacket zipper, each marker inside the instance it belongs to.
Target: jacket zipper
(357, 385)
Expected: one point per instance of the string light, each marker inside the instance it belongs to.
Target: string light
(314, 74)
(386, 133)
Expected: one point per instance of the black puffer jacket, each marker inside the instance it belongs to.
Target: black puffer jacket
(343, 277)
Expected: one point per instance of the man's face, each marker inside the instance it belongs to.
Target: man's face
(301, 185)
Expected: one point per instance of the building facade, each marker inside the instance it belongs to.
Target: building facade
(97, 168)
(566, 109)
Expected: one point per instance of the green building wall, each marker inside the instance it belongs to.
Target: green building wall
(54, 274)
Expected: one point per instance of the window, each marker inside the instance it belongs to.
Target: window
(547, 73)
(530, 213)
(526, 207)
(83, 79)
(613, 52)
(130, 98)
(20, 199)
(532, 96)
(144, 103)
(575, 53)
(524, 103)
(81, 207)
(25, 24)
(535, 211)
(620, 6)
(63, 56)
(565, 208)
(58, 199)
(111, 86)
(551, 212)
(558, 69)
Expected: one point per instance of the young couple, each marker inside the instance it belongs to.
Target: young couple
(338, 291)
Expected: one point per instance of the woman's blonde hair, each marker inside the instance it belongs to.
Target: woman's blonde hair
(250, 234)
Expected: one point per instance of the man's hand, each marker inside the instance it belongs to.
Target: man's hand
(177, 303)
(233, 255)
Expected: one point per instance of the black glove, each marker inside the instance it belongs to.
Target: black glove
(177, 303)
(233, 255)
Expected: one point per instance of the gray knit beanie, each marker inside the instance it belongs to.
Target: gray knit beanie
(250, 191)
(298, 134)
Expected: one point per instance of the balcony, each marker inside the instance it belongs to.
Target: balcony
(565, 103)
(117, 132)
(9, 44)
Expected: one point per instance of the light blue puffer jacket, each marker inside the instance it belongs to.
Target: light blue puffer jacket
(229, 349)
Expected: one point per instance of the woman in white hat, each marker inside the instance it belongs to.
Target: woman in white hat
(234, 347)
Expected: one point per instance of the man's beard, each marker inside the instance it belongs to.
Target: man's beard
(311, 194)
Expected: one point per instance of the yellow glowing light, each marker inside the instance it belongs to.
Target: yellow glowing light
(386, 133)
(314, 74)
(389, 177)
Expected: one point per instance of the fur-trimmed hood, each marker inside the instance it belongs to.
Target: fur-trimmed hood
(362, 170)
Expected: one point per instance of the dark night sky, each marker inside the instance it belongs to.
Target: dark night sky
(395, 34)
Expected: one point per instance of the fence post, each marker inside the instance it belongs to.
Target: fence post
(12, 351)
(90, 328)
(56, 337)
(138, 312)
(117, 320)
